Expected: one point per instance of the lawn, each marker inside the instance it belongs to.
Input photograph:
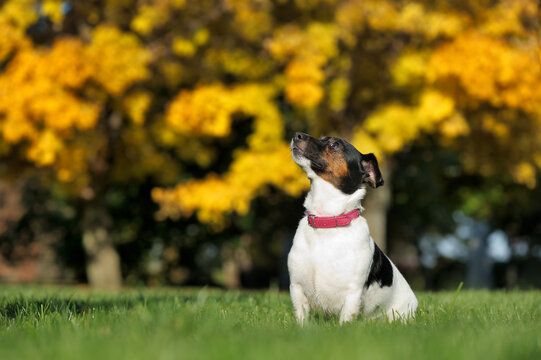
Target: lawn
(69, 323)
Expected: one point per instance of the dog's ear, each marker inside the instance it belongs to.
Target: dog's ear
(373, 176)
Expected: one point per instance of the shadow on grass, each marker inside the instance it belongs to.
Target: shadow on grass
(23, 306)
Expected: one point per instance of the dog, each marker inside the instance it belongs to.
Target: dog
(334, 265)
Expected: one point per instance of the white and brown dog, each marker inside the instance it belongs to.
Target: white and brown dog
(334, 265)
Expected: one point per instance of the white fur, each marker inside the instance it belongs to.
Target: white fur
(329, 267)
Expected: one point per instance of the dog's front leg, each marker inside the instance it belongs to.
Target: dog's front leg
(352, 306)
(300, 303)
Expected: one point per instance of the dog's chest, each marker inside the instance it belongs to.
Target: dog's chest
(330, 263)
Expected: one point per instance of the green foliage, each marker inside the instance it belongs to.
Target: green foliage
(67, 323)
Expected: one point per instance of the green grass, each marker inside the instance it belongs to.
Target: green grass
(67, 323)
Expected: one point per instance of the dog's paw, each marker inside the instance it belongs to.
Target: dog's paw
(347, 317)
(301, 317)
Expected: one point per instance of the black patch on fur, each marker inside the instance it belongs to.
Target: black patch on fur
(347, 184)
(351, 183)
(356, 174)
(381, 270)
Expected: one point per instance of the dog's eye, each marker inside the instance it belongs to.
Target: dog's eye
(334, 145)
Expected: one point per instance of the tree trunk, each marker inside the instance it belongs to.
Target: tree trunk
(102, 260)
(376, 205)
(235, 261)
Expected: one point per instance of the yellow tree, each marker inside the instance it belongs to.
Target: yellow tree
(383, 74)
(69, 109)
(76, 93)
(117, 91)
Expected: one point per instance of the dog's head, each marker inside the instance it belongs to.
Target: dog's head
(335, 161)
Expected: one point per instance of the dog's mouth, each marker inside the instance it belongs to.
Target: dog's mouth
(296, 150)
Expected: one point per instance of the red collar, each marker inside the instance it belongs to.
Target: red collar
(332, 221)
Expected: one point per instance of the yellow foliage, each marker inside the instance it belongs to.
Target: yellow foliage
(353, 15)
(252, 19)
(537, 159)
(321, 39)
(175, 4)
(487, 69)
(233, 192)
(199, 112)
(304, 93)
(15, 17)
(454, 126)
(183, 47)
(207, 110)
(53, 9)
(149, 16)
(71, 163)
(316, 43)
(367, 143)
(136, 105)
(44, 110)
(120, 58)
(395, 126)
(524, 173)
(338, 92)
(311, 60)
(411, 17)
(41, 99)
(303, 87)
(414, 18)
(410, 68)
(68, 64)
(309, 50)
(15, 128)
(491, 124)
(43, 151)
(139, 149)
(311, 4)
(449, 65)
(12, 38)
(238, 62)
(304, 70)
(286, 41)
(435, 106)
(204, 111)
(201, 36)
(508, 17)
(171, 72)
(189, 148)
(20, 13)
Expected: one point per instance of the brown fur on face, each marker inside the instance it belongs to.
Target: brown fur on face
(337, 162)
(337, 167)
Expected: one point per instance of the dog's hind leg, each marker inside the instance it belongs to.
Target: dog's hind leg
(300, 302)
(403, 312)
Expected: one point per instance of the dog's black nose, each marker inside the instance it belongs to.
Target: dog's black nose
(300, 136)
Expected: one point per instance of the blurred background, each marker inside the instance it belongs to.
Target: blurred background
(146, 143)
